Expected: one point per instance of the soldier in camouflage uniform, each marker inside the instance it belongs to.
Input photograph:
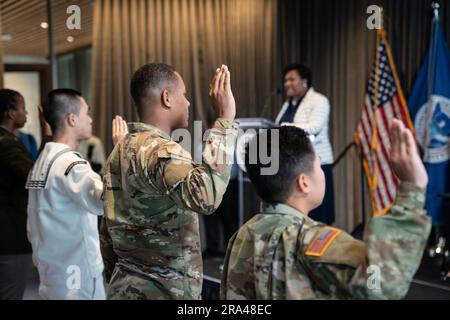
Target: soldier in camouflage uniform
(282, 254)
(153, 191)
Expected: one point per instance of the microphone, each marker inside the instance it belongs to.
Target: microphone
(266, 105)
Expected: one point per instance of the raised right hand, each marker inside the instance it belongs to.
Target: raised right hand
(119, 129)
(46, 130)
(405, 158)
(221, 95)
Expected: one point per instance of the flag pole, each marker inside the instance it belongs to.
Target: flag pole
(374, 143)
(431, 75)
(377, 80)
(435, 7)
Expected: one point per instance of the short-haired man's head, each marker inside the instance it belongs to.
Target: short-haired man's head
(60, 104)
(296, 156)
(9, 99)
(149, 81)
(303, 71)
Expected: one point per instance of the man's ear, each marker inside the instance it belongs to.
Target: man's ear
(303, 183)
(165, 99)
(71, 119)
(11, 113)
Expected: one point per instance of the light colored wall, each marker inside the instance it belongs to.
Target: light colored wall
(27, 83)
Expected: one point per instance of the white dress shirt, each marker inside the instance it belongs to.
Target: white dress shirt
(312, 115)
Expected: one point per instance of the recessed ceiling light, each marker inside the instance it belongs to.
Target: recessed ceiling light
(44, 25)
(70, 39)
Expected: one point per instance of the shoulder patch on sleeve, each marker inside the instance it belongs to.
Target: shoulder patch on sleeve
(321, 243)
(73, 164)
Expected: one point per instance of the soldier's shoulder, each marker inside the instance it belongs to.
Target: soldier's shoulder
(250, 231)
(166, 162)
(171, 149)
(263, 226)
(152, 144)
(261, 223)
(323, 243)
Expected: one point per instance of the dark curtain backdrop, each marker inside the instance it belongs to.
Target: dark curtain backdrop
(331, 37)
(195, 36)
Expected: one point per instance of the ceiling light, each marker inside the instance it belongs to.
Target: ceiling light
(44, 25)
(70, 39)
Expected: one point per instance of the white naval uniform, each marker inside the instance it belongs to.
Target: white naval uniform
(312, 115)
(63, 207)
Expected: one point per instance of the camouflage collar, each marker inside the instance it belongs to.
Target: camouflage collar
(280, 208)
(134, 127)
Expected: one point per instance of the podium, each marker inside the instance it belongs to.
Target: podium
(236, 188)
(238, 170)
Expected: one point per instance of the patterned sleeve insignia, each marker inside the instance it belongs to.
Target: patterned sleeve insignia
(321, 243)
(73, 164)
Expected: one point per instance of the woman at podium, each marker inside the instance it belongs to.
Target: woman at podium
(310, 110)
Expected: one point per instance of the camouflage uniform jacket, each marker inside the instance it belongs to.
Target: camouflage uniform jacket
(153, 193)
(283, 254)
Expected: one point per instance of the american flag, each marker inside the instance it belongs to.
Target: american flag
(384, 101)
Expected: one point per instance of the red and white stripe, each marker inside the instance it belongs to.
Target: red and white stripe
(377, 160)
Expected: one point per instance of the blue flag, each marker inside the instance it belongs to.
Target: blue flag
(429, 107)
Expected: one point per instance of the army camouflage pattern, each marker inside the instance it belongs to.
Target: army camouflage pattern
(153, 193)
(267, 258)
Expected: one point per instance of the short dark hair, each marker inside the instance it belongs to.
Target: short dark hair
(302, 70)
(60, 103)
(9, 99)
(296, 155)
(148, 81)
